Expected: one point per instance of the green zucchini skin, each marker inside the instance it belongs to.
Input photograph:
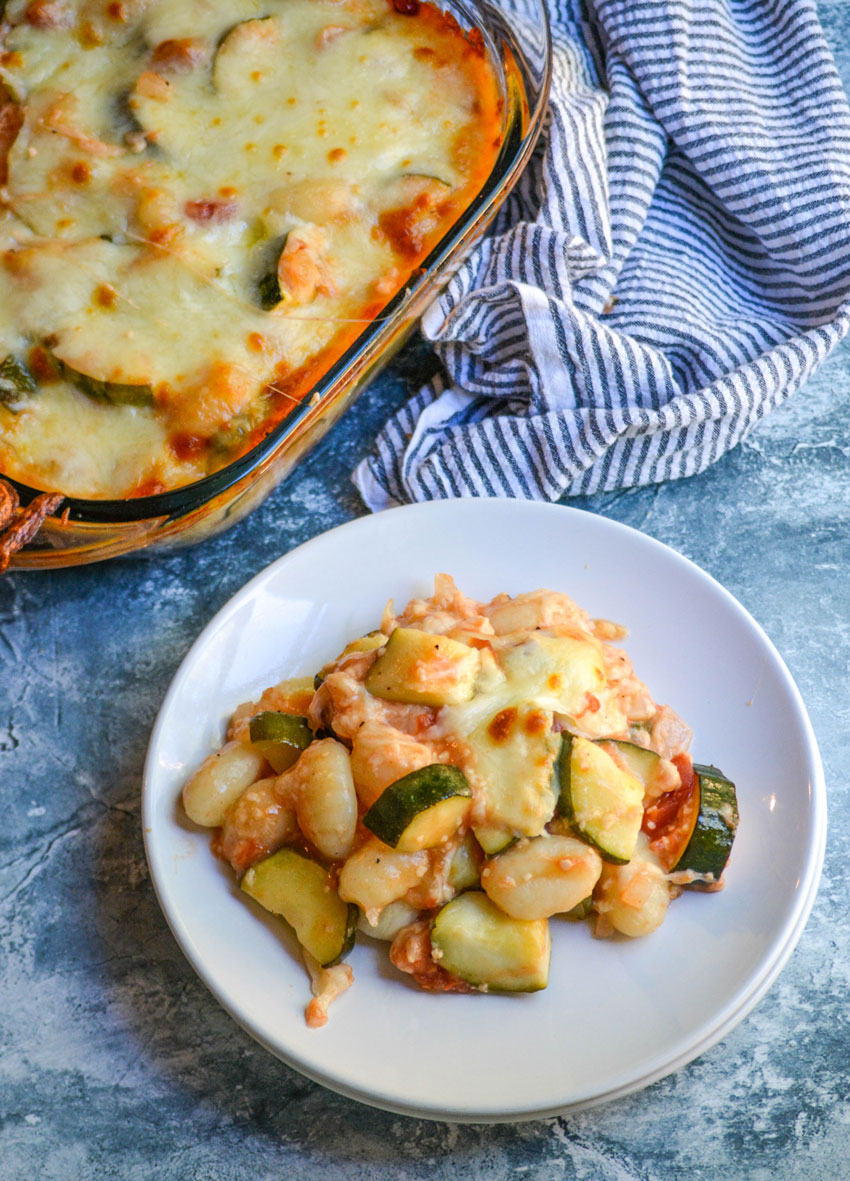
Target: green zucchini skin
(114, 392)
(15, 382)
(280, 738)
(269, 294)
(563, 807)
(227, 438)
(268, 291)
(270, 725)
(707, 852)
(580, 911)
(301, 891)
(400, 804)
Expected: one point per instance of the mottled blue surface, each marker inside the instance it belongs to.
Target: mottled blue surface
(116, 1061)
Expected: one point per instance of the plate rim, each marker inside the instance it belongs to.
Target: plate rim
(725, 1020)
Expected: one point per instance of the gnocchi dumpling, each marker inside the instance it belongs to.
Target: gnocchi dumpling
(541, 877)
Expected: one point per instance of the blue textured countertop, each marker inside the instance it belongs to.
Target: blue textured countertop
(117, 1062)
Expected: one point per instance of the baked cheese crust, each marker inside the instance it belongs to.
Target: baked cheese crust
(202, 206)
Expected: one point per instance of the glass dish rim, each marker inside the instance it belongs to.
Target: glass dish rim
(177, 502)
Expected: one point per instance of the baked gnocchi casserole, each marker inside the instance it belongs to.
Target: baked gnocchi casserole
(452, 781)
(202, 205)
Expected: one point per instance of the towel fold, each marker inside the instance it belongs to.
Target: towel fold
(674, 263)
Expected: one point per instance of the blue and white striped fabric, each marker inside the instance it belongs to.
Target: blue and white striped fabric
(674, 264)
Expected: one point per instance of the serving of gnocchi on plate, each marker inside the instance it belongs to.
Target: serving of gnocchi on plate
(454, 779)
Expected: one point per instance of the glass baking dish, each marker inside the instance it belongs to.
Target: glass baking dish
(516, 34)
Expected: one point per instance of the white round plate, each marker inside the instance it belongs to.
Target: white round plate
(617, 1014)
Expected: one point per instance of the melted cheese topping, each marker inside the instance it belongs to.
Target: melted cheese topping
(203, 206)
(539, 661)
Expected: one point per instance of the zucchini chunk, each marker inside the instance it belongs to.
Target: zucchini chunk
(638, 759)
(603, 802)
(713, 833)
(579, 912)
(423, 668)
(367, 643)
(279, 738)
(493, 839)
(474, 940)
(420, 810)
(389, 922)
(465, 869)
(302, 892)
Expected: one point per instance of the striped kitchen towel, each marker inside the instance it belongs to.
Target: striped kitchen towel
(675, 262)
